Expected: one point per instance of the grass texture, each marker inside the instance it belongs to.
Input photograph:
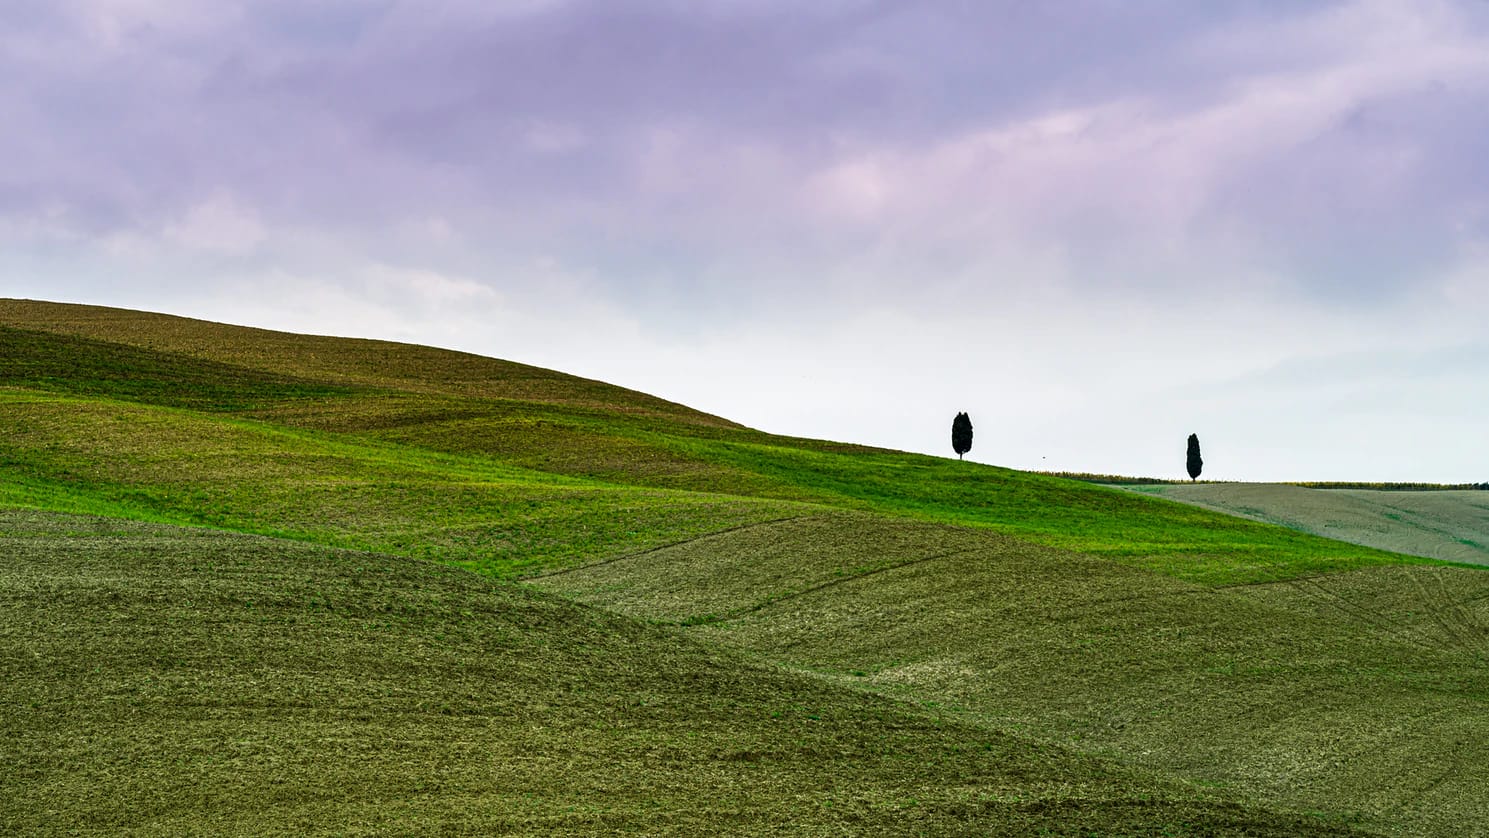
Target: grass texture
(165, 681)
(1361, 692)
(1134, 665)
(382, 405)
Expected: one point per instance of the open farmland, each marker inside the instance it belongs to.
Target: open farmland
(1134, 665)
(159, 680)
(1451, 525)
(1259, 688)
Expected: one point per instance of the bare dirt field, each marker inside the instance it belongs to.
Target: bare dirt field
(1451, 525)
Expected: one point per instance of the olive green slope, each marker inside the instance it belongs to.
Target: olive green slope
(1308, 694)
(156, 680)
(335, 361)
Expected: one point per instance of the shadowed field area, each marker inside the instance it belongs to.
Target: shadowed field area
(335, 362)
(166, 681)
(1451, 525)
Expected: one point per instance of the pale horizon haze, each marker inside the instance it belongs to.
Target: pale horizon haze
(1096, 227)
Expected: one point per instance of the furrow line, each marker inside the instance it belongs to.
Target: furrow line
(740, 612)
(669, 546)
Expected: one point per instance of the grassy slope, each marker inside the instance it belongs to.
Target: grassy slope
(166, 681)
(518, 416)
(1168, 538)
(433, 454)
(1452, 525)
(1284, 692)
(93, 455)
(340, 362)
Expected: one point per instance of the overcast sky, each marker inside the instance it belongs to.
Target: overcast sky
(1096, 226)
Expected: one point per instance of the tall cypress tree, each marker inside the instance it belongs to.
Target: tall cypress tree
(1193, 460)
(961, 434)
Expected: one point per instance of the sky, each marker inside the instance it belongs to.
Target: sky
(1095, 226)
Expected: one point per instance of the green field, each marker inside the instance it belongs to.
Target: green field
(503, 598)
(161, 680)
(1357, 691)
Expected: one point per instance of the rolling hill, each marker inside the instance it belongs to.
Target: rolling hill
(161, 680)
(299, 409)
(1139, 666)
(1361, 691)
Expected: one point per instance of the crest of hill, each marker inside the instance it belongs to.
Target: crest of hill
(84, 431)
(342, 361)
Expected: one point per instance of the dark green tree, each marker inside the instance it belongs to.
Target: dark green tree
(1193, 461)
(961, 434)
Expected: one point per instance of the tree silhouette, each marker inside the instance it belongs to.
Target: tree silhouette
(961, 434)
(1193, 461)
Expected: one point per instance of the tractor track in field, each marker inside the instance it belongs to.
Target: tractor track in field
(1311, 588)
(670, 546)
(1457, 623)
(821, 586)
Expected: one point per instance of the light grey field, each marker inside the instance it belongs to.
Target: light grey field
(1451, 525)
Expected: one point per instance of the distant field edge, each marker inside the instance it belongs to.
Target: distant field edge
(1447, 525)
(1126, 480)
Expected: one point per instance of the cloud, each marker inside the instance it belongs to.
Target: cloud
(1090, 209)
(218, 223)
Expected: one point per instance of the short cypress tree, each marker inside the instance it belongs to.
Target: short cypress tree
(1193, 461)
(961, 434)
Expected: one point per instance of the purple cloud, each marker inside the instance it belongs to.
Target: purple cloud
(678, 171)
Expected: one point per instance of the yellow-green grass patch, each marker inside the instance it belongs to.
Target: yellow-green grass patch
(187, 467)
